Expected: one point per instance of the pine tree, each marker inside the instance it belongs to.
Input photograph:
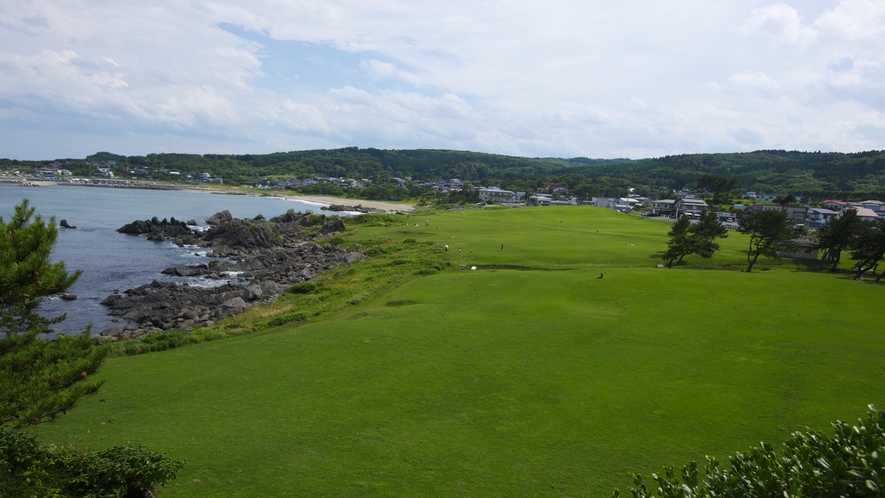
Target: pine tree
(704, 234)
(837, 235)
(26, 274)
(868, 248)
(698, 238)
(39, 378)
(679, 244)
(770, 232)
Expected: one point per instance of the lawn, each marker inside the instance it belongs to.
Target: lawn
(505, 382)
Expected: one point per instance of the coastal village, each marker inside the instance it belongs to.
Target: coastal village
(684, 201)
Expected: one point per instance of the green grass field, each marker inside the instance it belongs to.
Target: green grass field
(541, 380)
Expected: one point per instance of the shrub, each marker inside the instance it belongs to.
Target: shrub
(336, 240)
(304, 288)
(287, 318)
(30, 468)
(212, 335)
(850, 463)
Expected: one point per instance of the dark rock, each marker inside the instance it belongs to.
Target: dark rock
(232, 306)
(155, 229)
(111, 331)
(64, 224)
(342, 207)
(67, 297)
(219, 218)
(269, 256)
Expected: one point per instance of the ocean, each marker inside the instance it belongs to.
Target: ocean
(114, 262)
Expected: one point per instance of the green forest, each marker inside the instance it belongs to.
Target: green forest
(815, 175)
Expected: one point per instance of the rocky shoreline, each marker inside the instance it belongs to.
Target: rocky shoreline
(264, 256)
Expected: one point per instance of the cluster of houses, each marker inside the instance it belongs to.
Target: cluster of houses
(551, 194)
(444, 186)
(346, 183)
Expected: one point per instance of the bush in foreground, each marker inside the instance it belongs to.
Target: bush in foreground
(30, 468)
(849, 463)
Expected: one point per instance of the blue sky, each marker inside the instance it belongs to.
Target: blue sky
(634, 78)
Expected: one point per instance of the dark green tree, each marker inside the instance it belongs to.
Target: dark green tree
(704, 234)
(716, 185)
(868, 248)
(838, 235)
(26, 274)
(38, 378)
(699, 238)
(679, 244)
(771, 232)
(785, 200)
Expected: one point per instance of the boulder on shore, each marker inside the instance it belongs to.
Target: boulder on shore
(219, 218)
(155, 229)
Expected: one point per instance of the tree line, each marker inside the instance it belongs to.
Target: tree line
(855, 176)
(772, 234)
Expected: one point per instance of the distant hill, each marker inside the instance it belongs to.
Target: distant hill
(812, 174)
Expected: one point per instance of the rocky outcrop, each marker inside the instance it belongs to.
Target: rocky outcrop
(263, 256)
(155, 229)
(357, 209)
(219, 218)
(64, 224)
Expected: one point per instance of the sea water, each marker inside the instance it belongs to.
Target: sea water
(114, 262)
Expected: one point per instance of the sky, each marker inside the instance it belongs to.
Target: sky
(552, 78)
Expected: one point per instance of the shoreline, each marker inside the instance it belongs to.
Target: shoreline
(321, 200)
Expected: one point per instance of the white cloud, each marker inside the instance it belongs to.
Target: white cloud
(632, 78)
(782, 23)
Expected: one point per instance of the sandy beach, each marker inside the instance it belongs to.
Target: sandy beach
(319, 199)
(379, 205)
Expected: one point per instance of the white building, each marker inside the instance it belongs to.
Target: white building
(495, 194)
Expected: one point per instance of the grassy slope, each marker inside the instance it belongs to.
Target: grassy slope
(503, 382)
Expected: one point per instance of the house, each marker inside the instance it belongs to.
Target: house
(495, 194)
(818, 217)
(866, 213)
(605, 202)
(805, 249)
(766, 198)
(795, 214)
(691, 207)
(877, 206)
(837, 205)
(631, 203)
(664, 207)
